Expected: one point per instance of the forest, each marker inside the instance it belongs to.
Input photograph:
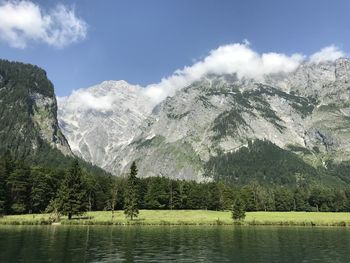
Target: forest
(28, 188)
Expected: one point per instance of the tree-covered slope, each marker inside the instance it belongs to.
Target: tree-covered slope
(267, 164)
(28, 112)
(29, 129)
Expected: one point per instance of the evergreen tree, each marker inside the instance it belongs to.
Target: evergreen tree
(131, 201)
(238, 210)
(157, 196)
(113, 198)
(227, 196)
(174, 195)
(18, 184)
(72, 197)
(43, 189)
(7, 166)
(214, 197)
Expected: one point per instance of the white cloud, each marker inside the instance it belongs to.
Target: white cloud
(330, 53)
(83, 99)
(227, 59)
(25, 21)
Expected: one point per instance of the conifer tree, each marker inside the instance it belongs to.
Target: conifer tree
(18, 184)
(238, 210)
(7, 166)
(72, 197)
(131, 201)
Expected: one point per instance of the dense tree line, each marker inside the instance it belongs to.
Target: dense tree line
(28, 188)
(268, 164)
(35, 189)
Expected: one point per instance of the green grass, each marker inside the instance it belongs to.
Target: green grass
(190, 217)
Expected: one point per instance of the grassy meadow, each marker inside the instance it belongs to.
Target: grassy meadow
(189, 217)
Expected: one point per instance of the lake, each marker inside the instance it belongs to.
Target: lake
(172, 243)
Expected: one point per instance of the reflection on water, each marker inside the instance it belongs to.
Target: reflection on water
(180, 244)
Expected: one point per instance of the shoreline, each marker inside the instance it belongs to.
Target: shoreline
(188, 218)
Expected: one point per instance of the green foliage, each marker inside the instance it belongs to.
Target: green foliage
(227, 123)
(305, 106)
(19, 189)
(157, 196)
(45, 184)
(20, 86)
(155, 141)
(299, 149)
(20, 82)
(340, 170)
(131, 205)
(72, 197)
(261, 161)
(28, 189)
(252, 102)
(5, 170)
(238, 210)
(213, 197)
(284, 200)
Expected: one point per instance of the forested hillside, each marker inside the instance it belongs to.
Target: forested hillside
(28, 188)
(28, 112)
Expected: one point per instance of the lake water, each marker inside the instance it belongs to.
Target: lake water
(173, 244)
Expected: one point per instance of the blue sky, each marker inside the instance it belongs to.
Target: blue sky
(144, 41)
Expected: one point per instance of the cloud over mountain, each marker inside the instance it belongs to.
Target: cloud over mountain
(236, 58)
(228, 59)
(329, 53)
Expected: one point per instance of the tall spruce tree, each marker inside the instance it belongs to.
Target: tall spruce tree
(131, 201)
(238, 210)
(72, 197)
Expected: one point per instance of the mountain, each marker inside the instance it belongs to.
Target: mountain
(300, 118)
(29, 128)
(28, 112)
(100, 121)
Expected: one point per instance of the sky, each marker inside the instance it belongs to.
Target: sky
(161, 43)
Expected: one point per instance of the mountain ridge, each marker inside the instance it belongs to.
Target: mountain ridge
(306, 109)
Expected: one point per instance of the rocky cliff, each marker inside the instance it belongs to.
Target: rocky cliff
(28, 112)
(305, 112)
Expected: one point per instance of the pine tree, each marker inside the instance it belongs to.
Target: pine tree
(72, 197)
(43, 188)
(157, 196)
(7, 166)
(174, 195)
(18, 184)
(214, 197)
(238, 210)
(131, 201)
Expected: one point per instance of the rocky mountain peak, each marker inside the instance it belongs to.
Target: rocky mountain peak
(100, 120)
(304, 111)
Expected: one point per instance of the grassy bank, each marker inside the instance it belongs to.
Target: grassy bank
(189, 217)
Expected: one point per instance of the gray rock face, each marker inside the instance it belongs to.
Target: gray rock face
(46, 121)
(100, 121)
(308, 108)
